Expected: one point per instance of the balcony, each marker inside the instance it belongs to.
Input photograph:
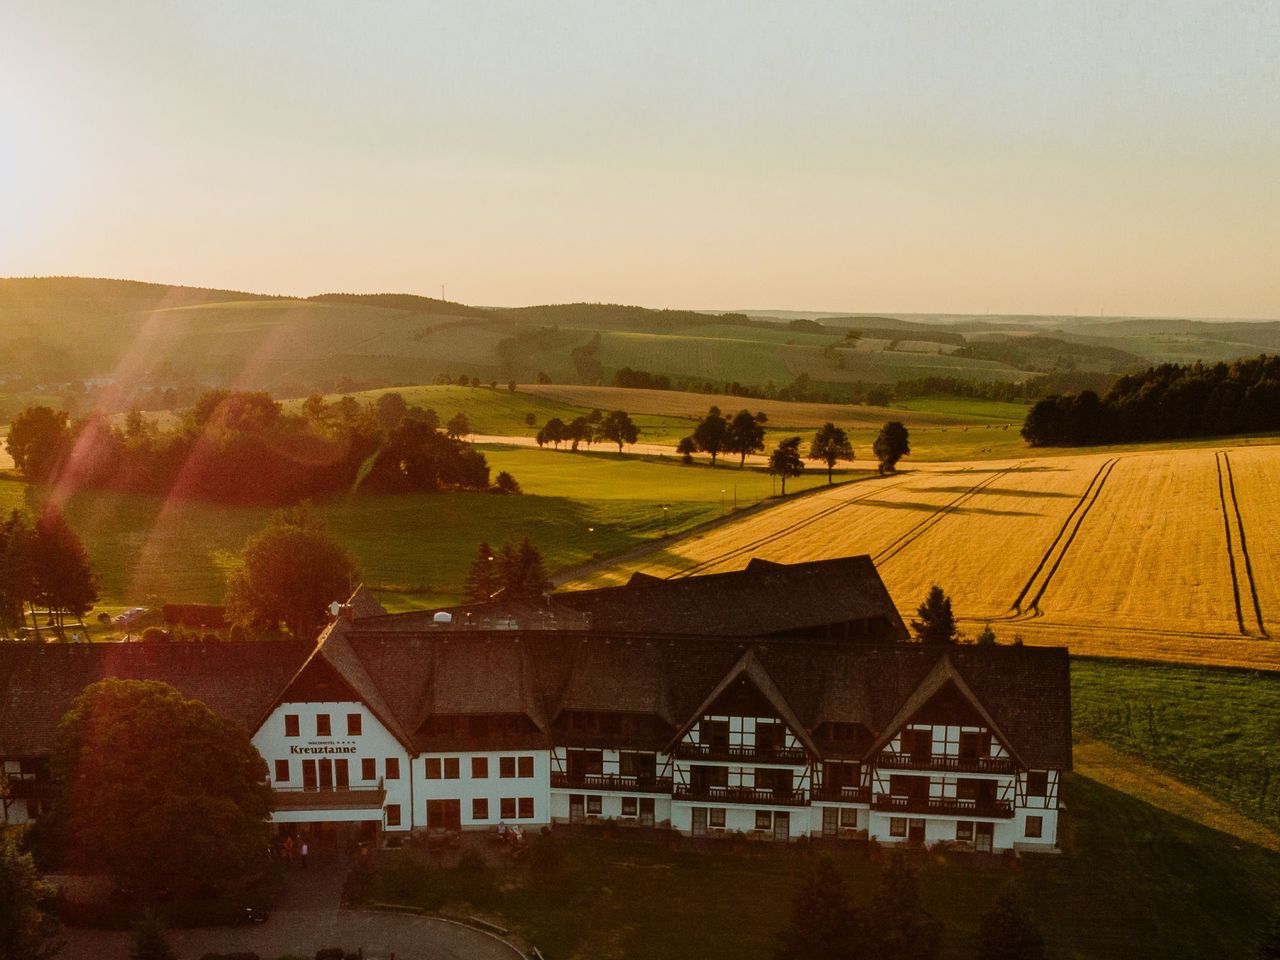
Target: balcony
(842, 794)
(601, 781)
(714, 751)
(947, 806)
(749, 795)
(329, 798)
(905, 761)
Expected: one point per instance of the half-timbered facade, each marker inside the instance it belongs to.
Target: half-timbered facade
(581, 711)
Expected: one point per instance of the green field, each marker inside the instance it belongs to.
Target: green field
(578, 507)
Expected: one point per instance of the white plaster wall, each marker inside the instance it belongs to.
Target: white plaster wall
(373, 742)
(492, 788)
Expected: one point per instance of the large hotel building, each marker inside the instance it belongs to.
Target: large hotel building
(779, 701)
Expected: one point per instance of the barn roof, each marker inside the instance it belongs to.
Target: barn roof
(763, 598)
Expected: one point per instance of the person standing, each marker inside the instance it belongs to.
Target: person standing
(304, 852)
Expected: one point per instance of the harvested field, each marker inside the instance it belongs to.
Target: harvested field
(1129, 554)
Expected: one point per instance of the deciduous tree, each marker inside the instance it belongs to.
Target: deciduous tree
(64, 579)
(618, 428)
(26, 928)
(746, 434)
(38, 439)
(824, 924)
(937, 624)
(292, 571)
(712, 434)
(830, 444)
(17, 571)
(892, 443)
(458, 426)
(785, 461)
(119, 808)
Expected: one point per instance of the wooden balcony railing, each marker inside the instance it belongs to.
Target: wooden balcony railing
(950, 806)
(843, 794)
(751, 795)
(712, 751)
(601, 781)
(905, 761)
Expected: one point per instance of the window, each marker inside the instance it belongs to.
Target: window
(393, 768)
(480, 809)
(1037, 783)
(526, 766)
(323, 729)
(849, 818)
(764, 820)
(629, 806)
(282, 771)
(506, 767)
(1035, 826)
(354, 723)
(897, 826)
(717, 817)
(451, 766)
(526, 808)
(393, 814)
(507, 805)
(368, 769)
(593, 805)
(964, 831)
(290, 724)
(479, 768)
(433, 768)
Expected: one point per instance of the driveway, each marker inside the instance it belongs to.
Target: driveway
(307, 919)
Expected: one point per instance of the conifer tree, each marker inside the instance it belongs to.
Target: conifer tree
(937, 624)
(483, 580)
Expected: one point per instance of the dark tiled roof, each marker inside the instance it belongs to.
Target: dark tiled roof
(38, 682)
(763, 599)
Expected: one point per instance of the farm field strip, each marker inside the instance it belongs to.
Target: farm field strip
(914, 534)
(1088, 503)
(1242, 542)
(1254, 482)
(822, 514)
(1084, 498)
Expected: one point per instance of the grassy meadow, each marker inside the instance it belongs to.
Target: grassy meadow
(577, 508)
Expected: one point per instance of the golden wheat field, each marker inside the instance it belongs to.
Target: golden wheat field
(1127, 554)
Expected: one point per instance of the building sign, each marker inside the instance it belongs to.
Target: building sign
(325, 749)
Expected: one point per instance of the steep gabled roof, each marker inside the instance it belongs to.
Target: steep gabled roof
(750, 667)
(38, 682)
(762, 599)
(944, 672)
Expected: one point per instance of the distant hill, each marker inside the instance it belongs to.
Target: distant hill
(72, 341)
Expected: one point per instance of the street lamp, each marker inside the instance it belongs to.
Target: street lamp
(665, 510)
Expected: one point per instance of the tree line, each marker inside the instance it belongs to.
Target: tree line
(616, 427)
(242, 447)
(1170, 401)
(43, 566)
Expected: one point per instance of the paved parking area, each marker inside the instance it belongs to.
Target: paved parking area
(307, 919)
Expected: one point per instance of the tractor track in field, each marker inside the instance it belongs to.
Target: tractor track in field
(1080, 504)
(1079, 513)
(1228, 491)
(703, 565)
(929, 522)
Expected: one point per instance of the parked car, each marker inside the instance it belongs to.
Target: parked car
(129, 617)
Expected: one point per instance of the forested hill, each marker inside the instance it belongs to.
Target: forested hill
(1164, 402)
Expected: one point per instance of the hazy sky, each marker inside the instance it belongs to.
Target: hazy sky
(899, 156)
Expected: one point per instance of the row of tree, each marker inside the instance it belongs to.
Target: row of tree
(596, 427)
(236, 447)
(1170, 401)
(744, 435)
(43, 566)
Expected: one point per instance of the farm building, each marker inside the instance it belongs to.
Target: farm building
(779, 701)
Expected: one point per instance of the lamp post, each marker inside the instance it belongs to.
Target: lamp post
(722, 500)
(665, 529)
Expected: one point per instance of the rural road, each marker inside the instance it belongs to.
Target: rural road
(308, 919)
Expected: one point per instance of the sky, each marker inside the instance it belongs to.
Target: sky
(980, 157)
